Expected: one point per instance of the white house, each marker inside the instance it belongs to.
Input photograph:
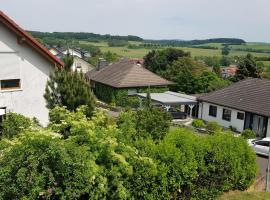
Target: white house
(72, 52)
(81, 65)
(25, 67)
(243, 105)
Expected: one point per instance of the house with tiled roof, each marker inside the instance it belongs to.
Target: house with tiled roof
(118, 80)
(25, 66)
(242, 105)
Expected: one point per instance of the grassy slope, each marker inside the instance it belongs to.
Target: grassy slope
(139, 53)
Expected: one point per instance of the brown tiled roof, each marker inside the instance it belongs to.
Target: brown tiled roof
(126, 74)
(250, 95)
(8, 22)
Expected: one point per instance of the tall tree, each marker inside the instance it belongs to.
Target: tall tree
(158, 61)
(247, 67)
(69, 89)
(225, 50)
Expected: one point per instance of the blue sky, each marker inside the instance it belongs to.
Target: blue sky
(150, 19)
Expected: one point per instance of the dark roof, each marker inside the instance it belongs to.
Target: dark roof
(126, 74)
(250, 95)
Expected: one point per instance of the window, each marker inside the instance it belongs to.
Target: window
(240, 115)
(10, 84)
(2, 114)
(226, 115)
(262, 143)
(213, 111)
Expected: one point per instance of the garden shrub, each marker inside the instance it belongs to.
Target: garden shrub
(248, 134)
(213, 127)
(153, 123)
(228, 163)
(198, 123)
(47, 168)
(99, 159)
(13, 124)
(233, 129)
(196, 167)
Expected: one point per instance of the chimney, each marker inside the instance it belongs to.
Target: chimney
(101, 63)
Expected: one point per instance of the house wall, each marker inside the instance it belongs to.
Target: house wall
(204, 115)
(268, 128)
(73, 53)
(34, 73)
(85, 66)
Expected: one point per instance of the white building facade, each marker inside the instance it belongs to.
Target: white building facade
(25, 68)
(233, 118)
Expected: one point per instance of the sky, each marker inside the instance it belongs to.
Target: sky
(149, 19)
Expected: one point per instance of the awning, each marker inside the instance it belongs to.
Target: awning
(170, 98)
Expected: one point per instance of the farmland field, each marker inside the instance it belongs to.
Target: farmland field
(141, 52)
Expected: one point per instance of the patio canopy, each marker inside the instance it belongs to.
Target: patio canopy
(170, 98)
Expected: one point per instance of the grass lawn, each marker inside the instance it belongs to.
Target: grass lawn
(246, 196)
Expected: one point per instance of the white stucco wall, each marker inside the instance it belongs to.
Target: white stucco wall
(85, 66)
(236, 123)
(35, 70)
(268, 128)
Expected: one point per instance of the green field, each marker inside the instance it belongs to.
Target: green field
(141, 52)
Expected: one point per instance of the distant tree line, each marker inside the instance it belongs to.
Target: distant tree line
(83, 36)
(184, 43)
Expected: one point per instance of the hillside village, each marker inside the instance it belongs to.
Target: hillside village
(78, 122)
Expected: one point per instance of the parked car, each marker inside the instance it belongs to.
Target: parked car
(177, 114)
(261, 146)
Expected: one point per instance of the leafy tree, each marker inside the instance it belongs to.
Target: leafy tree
(158, 61)
(225, 50)
(183, 73)
(225, 61)
(247, 67)
(69, 89)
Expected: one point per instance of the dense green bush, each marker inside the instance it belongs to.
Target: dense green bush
(13, 124)
(248, 134)
(145, 123)
(224, 163)
(213, 127)
(99, 159)
(47, 168)
(198, 123)
(152, 122)
(196, 167)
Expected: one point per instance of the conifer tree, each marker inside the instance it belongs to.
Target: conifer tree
(69, 89)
